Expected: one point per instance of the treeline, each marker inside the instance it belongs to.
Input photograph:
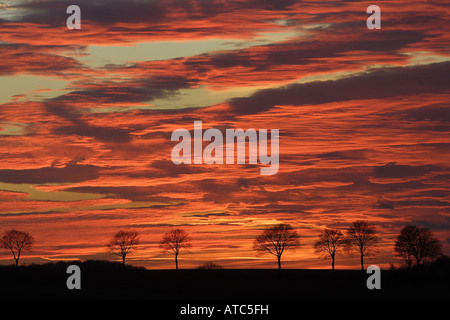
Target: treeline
(414, 246)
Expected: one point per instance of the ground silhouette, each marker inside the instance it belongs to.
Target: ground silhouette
(107, 280)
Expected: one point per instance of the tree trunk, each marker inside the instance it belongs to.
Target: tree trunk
(362, 262)
(123, 262)
(332, 262)
(176, 261)
(279, 262)
(17, 258)
(417, 262)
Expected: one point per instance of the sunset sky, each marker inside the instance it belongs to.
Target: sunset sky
(86, 118)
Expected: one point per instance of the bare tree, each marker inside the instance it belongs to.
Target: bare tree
(174, 241)
(331, 241)
(276, 239)
(123, 243)
(404, 246)
(361, 237)
(17, 241)
(418, 244)
(427, 247)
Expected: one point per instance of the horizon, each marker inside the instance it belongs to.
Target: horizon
(87, 115)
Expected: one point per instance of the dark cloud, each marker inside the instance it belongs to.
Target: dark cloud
(200, 215)
(393, 170)
(105, 134)
(69, 106)
(69, 173)
(114, 11)
(134, 193)
(345, 154)
(141, 90)
(377, 84)
(80, 127)
(434, 112)
(384, 205)
(296, 52)
(433, 222)
(35, 59)
(354, 174)
(167, 168)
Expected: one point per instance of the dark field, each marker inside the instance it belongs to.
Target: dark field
(106, 280)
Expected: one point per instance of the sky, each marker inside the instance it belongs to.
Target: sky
(86, 118)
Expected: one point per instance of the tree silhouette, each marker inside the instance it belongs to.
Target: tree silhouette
(405, 242)
(418, 244)
(17, 241)
(331, 241)
(361, 237)
(275, 240)
(123, 243)
(174, 241)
